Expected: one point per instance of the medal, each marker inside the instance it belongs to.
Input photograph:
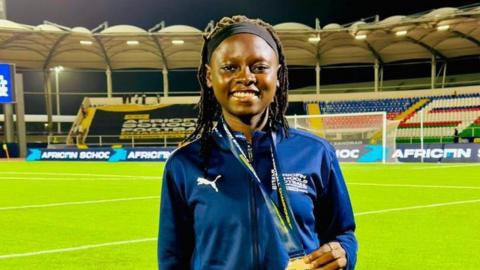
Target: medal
(298, 264)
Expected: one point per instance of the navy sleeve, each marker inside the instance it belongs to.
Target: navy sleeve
(336, 221)
(175, 239)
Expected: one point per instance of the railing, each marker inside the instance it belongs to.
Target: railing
(412, 139)
(442, 139)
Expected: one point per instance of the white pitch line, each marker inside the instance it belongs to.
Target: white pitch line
(446, 166)
(41, 252)
(33, 178)
(415, 207)
(84, 174)
(61, 250)
(412, 185)
(76, 203)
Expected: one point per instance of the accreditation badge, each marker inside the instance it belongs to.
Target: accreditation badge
(298, 264)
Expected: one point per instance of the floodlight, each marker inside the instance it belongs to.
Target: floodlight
(132, 42)
(361, 37)
(443, 27)
(314, 39)
(86, 42)
(178, 41)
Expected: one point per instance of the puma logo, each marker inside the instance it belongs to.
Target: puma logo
(203, 181)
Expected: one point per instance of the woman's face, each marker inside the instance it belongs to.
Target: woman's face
(243, 74)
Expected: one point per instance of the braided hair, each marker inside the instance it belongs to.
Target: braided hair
(210, 110)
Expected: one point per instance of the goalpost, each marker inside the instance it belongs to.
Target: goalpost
(358, 137)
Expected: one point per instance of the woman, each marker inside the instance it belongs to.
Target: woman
(248, 192)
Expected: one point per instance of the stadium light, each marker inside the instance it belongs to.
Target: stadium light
(178, 41)
(314, 39)
(401, 33)
(58, 69)
(360, 36)
(86, 42)
(443, 27)
(132, 42)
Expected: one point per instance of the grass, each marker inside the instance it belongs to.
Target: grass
(409, 216)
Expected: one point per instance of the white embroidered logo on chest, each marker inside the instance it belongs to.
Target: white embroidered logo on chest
(213, 184)
(295, 182)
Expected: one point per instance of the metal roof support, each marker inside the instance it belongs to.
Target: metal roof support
(160, 50)
(108, 73)
(165, 82)
(52, 50)
(9, 129)
(374, 52)
(318, 69)
(57, 100)
(102, 26)
(317, 24)
(47, 89)
(444, 75)
(381, 78)
(20, 110)
(317, 77)
(64, 28)
(157, 26)
(165, 65)
(434, 71)
(104, 52)
(467, 37)
(376, 68)
(427, 47)
(3, 10)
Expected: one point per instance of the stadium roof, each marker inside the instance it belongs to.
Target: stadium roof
(443, 33)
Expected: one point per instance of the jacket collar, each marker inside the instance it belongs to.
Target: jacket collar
(260, 139)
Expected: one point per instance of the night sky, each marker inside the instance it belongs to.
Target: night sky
(147, 13)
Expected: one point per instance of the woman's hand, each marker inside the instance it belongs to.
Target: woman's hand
(330, 256)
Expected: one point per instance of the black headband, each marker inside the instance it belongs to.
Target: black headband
(238, 28)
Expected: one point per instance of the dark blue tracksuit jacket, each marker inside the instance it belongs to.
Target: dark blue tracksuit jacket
(228, 226)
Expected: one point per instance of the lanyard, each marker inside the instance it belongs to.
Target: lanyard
(282, 215)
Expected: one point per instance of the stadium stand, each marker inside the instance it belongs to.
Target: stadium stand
(112, 121)
(441, 116)
(103, 121)
(394, 106)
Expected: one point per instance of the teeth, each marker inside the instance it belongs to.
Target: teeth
(243, 94)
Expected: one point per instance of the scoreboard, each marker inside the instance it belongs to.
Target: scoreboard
(6, 83)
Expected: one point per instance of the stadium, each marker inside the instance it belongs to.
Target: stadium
(90, 115)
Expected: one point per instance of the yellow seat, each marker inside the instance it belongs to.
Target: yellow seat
(82, 146)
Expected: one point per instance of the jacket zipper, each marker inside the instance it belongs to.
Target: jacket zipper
(253, 211)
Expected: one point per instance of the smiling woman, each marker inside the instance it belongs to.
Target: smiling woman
(248, 192)
(243, 75)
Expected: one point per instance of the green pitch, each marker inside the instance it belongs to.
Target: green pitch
(64, 215)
